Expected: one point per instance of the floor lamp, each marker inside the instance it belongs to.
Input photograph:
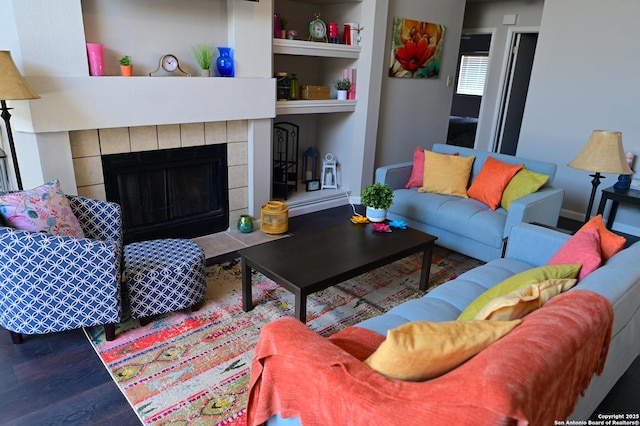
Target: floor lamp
(12, 87)
(603, 153)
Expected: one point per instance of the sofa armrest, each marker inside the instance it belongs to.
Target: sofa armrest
(395, 175)
(541, 207)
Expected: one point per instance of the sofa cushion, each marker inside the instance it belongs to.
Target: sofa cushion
(610, 243)
(525, 182)
(41, 209)
(490, 183)
(460, 216)
(423, 350)
(446, 301)
(524, 300)
(583, 247)
(446, 174)
(530, 276)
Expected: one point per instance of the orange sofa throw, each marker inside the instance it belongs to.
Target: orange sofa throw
(533, 375)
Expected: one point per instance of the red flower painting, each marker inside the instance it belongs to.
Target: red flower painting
(416, 50)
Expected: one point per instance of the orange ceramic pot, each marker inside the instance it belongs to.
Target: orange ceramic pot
(127, 70)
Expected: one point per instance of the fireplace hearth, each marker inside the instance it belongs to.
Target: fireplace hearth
(170, 193)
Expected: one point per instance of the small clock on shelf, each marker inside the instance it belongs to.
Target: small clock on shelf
(318, 29)
(170, 64)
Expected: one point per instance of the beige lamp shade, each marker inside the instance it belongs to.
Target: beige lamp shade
(603, 153)
(12, 85)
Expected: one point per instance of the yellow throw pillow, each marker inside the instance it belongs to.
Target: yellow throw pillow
(446, 174)
(423, 350)
(524, 300)
(530, 276)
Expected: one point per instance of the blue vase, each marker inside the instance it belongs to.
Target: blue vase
(224, 63)
(623, 183)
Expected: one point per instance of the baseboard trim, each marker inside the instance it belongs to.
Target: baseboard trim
(617, 226)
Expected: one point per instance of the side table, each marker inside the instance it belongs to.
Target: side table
(617, 196)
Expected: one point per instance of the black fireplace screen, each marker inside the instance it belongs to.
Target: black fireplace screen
(171, 193)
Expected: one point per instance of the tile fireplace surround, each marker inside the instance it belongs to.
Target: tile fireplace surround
(87, 147)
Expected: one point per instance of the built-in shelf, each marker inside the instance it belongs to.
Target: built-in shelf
(346, 129)
(310, 48)
(314, 107)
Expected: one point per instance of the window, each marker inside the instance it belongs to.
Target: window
(473, 73)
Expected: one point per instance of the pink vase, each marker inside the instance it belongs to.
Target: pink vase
(95, 53)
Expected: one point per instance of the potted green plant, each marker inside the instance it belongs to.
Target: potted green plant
(203, 53)
(342, 87)
(377, 198)
(283, 27)
(125, 66)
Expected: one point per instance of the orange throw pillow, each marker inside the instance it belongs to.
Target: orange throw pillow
(610, 243)
(490, 183)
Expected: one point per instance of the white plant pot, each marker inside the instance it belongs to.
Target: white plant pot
(342, 95)
(376, 215)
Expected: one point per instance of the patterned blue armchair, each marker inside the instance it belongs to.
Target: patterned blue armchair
(53, 283)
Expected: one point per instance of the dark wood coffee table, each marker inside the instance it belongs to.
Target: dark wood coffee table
(316, 260)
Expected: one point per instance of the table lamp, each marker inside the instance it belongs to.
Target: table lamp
(12, 87)
(603, 153)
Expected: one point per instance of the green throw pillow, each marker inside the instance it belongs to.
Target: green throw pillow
(525, 182)
(530, 276)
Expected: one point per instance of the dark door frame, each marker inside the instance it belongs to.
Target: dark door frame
(503, 101)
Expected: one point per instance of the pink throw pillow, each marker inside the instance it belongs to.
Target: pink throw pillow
(42, 209)
(417, 170)
(583, 248)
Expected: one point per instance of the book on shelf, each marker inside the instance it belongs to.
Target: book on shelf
(350, 73)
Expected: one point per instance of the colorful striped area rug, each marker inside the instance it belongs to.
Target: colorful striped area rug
(192, 368)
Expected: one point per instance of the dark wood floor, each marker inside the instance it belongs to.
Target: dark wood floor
(57, 379)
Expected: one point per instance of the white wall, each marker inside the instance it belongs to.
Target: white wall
(415, 111)
(584, 78)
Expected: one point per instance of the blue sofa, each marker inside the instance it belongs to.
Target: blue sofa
(528, 246)
(466, 225)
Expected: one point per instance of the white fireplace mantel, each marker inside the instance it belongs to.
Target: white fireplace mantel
(78, 103)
